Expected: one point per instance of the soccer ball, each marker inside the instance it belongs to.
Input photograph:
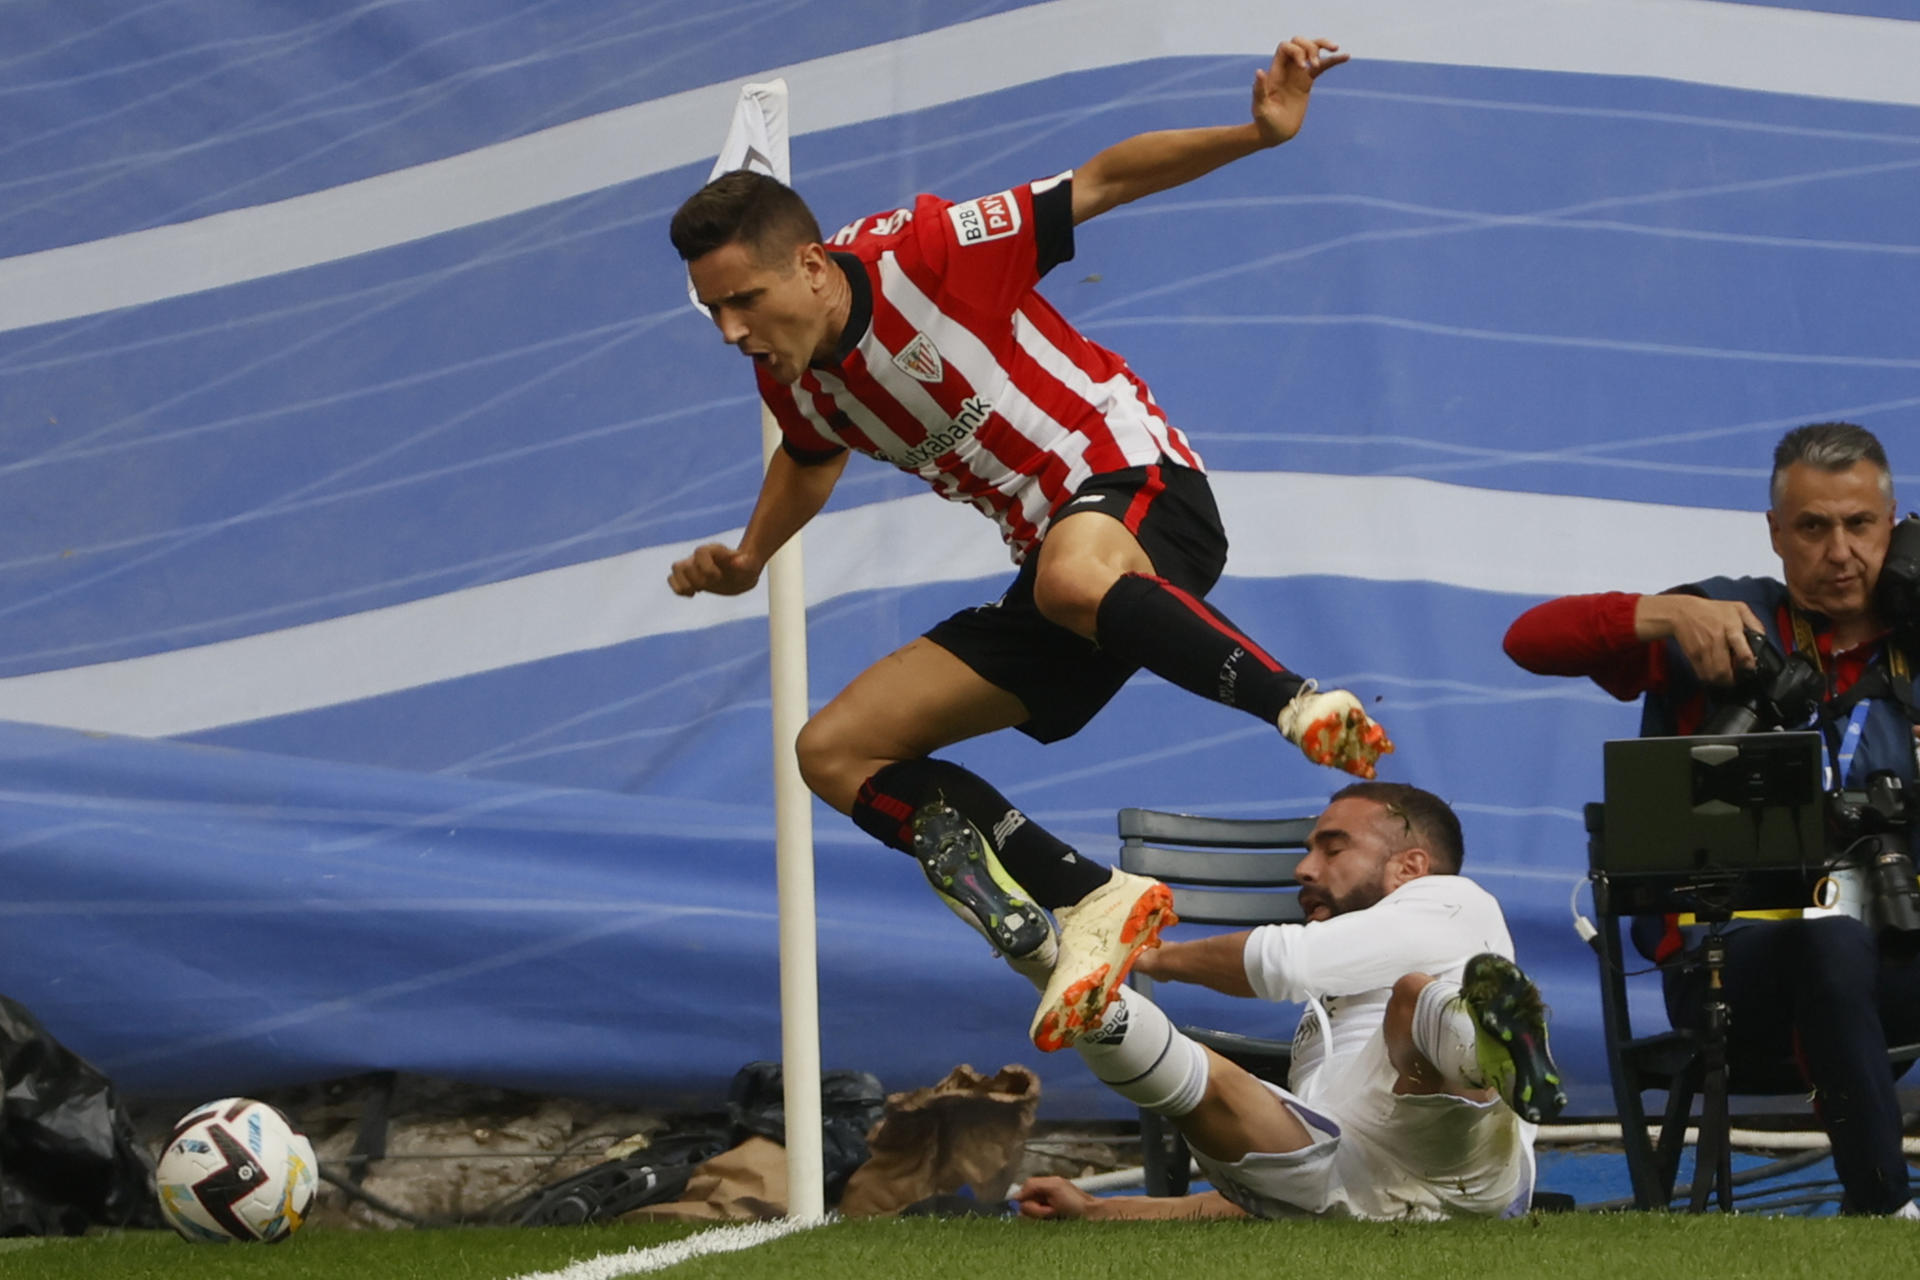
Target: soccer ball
(236, 1170)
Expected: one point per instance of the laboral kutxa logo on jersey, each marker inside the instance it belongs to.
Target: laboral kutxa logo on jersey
(988, 218)
(920, 360)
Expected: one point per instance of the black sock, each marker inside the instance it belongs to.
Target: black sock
(1180, 637)
(1052, 872)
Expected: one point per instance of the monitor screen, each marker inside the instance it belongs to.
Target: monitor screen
(1678, 806)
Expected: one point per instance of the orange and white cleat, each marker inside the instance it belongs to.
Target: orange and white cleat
(1333, 729)
(1100, 937)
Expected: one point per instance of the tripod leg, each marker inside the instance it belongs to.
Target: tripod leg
(1706, 1153)
(1725, 1173)
(1713, 1157)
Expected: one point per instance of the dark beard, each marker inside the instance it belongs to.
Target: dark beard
(1357, 899)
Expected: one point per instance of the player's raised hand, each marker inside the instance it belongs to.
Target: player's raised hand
(1280, 91)
(714, 567)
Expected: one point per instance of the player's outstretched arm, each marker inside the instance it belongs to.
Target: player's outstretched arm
(791, 494)
(1050, 1197)
(1150, 162)
(1218, 962)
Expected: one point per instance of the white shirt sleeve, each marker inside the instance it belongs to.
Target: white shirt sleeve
(1434, 924)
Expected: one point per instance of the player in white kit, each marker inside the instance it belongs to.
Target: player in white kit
(1420, 1067)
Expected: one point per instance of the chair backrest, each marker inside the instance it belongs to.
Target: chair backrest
(1225, 871)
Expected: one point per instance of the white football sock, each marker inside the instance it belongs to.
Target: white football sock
(1140, 1055)
(1443, 1033)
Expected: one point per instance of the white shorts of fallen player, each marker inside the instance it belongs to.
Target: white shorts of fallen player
(1377, 1154)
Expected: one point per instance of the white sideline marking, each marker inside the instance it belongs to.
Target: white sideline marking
(661, 1256)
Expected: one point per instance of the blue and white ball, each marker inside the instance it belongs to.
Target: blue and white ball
(236, 1170)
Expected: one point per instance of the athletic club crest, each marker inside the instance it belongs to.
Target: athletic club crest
(920, 360)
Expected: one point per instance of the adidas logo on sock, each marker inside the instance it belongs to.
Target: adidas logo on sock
(1111, 1031)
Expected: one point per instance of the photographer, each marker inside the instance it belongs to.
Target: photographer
(1822, 997)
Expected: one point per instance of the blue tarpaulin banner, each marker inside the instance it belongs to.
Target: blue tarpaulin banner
(351, 412)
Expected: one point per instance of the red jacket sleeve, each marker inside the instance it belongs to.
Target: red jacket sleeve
(1588, 636)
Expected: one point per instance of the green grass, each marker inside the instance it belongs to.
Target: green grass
(1559, 1247)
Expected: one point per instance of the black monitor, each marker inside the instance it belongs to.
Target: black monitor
(1712, 824)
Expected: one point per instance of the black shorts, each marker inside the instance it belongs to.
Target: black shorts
(1062, 679)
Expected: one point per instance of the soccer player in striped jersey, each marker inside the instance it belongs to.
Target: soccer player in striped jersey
(917, 337)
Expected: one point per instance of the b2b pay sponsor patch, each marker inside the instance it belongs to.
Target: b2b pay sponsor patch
(984, 219)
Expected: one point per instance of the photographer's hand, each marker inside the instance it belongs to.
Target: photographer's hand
(1711, 633)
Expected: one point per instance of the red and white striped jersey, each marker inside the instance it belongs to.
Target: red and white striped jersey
(954, 368)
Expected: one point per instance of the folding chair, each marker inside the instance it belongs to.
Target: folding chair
(1236, 872)
(1670, 1062)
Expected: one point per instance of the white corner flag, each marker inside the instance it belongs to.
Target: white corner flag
(756, 140)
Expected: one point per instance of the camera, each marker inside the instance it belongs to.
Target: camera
(1896, 596)
(1870, 827)
(1779, 692)
(1874, 824)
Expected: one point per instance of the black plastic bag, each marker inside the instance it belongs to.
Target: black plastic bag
(851, 1103)
(69, 1156)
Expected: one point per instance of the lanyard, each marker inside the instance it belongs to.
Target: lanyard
(1849, 743)
(1839, 772)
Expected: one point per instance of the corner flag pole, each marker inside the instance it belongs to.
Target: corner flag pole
(793, 856)
(757, 139)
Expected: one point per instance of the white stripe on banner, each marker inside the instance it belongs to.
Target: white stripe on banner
(1284, 524)
(1737, 46)
(661, 1256)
